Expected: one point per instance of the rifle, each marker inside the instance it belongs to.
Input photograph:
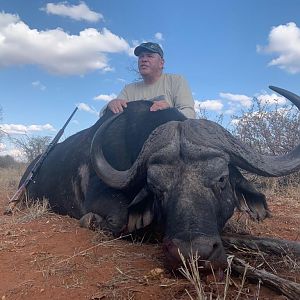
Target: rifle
(18, 196)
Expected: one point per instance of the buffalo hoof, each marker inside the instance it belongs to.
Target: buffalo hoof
(91, 221)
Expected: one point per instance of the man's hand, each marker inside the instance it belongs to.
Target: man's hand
(116, 105)
(159, 105)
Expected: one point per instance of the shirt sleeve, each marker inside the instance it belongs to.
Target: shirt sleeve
(183, 99)
(123, 94)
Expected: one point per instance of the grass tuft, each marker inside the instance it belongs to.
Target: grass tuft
(34, 210)
(190, 270)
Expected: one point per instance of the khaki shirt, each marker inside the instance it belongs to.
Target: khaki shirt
(172, 88)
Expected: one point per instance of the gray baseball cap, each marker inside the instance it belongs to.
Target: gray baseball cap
(148, 47)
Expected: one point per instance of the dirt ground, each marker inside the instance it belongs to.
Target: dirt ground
(51, 257)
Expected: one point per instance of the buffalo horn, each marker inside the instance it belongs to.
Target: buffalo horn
(115, 178)
(243, 156)
(137, 172)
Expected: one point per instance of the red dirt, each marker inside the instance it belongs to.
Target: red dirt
(53, 258)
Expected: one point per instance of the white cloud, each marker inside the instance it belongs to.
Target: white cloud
(271, 99)
(284, 42)
(106, 98)
(55, 50)
(230, 111)
(39, 85)
(2, 146)
(75, 122)
(159, 36)
(7, 19)
(214, 105)
(85, 107)
(24, 129)
(242, 99)
(77, 12)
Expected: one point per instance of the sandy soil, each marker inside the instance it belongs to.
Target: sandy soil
(51, 257)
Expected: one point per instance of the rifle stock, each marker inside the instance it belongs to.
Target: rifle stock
(20, 193)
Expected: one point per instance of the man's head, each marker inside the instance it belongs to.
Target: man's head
(150, 61)
(148, 47)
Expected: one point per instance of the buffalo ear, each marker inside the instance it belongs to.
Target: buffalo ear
(248, 198)
(140, 210)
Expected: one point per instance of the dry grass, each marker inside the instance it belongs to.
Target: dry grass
(231, 287)
(33, 210)
(287, 186)
(61, 266)
(9, 180)
(190, 270)
(219, 290)
(28, 210)
(270, 262)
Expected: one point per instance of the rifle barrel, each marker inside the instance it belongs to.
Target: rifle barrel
(19, 193)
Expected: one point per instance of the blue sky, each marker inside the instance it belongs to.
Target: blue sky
(56, 55)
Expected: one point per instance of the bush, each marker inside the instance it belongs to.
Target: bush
(8, 161)
(274, 132)
(31, 147)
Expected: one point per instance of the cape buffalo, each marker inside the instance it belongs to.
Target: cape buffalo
(138, 167)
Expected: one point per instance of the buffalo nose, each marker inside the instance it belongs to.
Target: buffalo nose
(204, 248)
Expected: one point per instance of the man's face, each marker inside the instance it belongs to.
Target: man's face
(150, 63)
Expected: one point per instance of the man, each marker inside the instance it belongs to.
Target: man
(165, 90)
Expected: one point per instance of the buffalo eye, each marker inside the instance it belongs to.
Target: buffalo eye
(222, 182)
(110, 220)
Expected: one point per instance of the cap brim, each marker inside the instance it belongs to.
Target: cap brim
(139, 49)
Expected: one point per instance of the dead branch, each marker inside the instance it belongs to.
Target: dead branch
(263, 244)
(288, 288)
